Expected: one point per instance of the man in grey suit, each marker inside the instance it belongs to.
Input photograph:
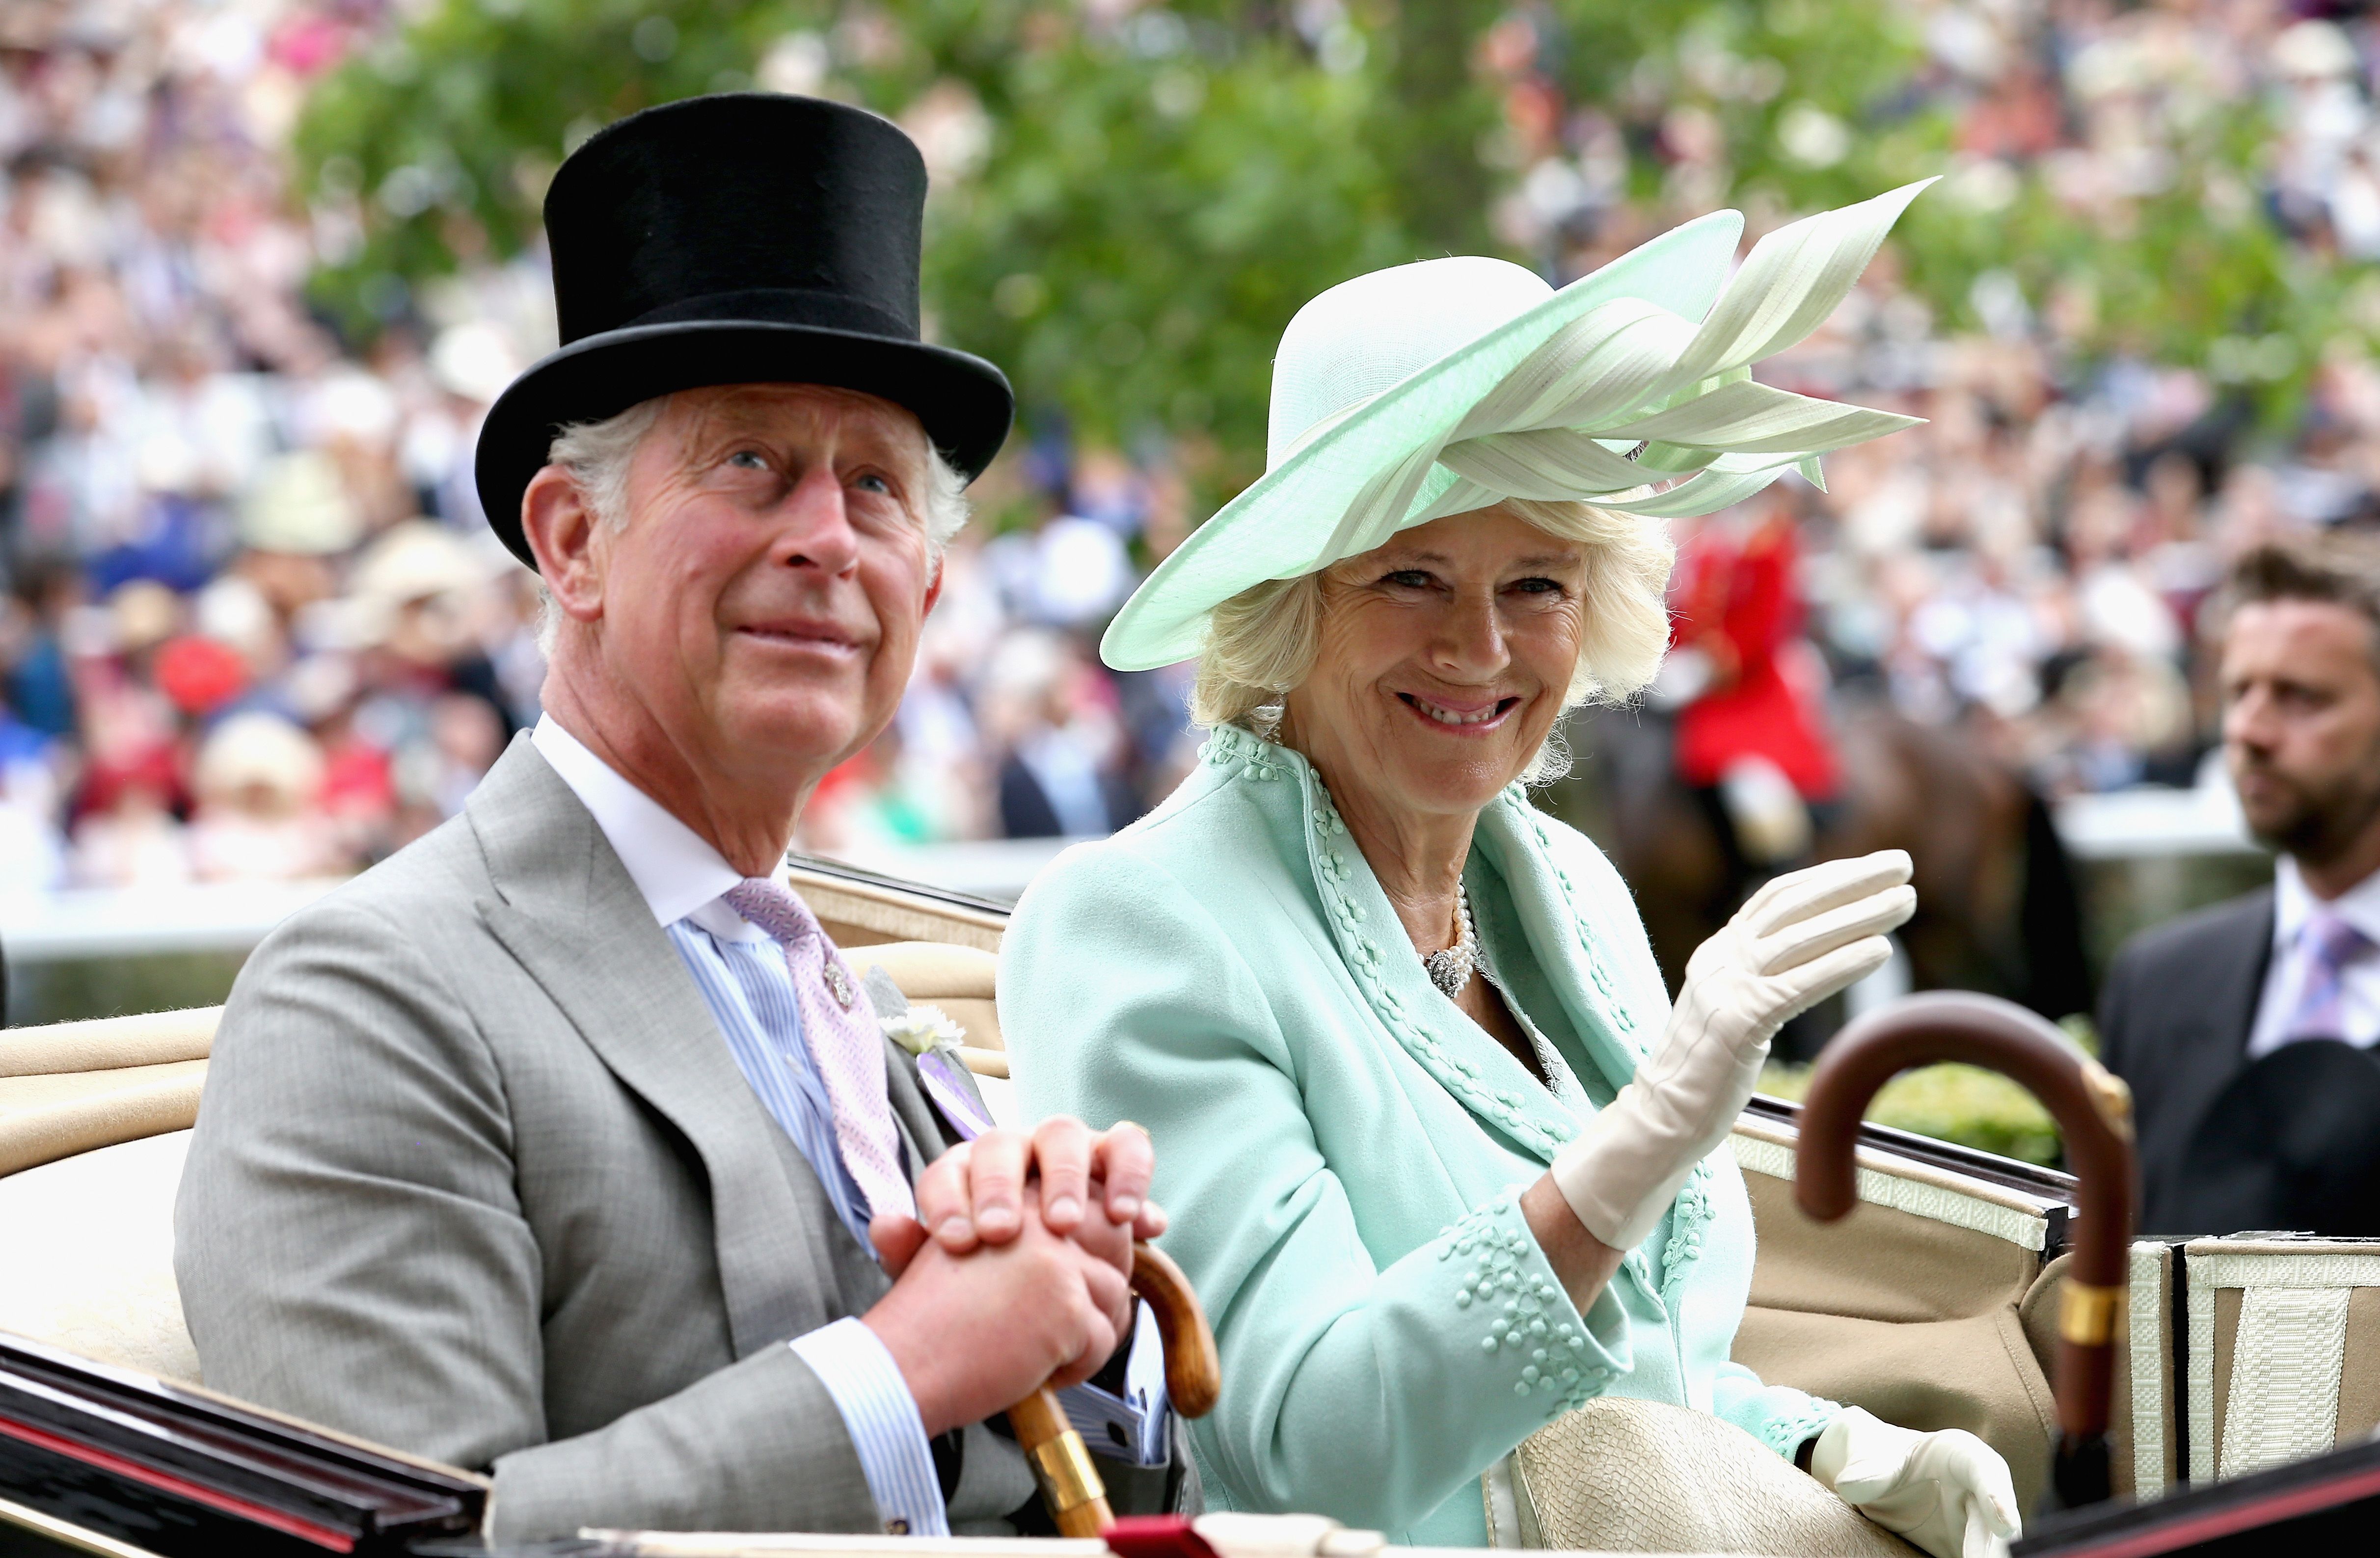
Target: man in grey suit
(563, 1144)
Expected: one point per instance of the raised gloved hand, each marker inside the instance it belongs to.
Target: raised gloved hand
(1801, 938)
(1948, 1492)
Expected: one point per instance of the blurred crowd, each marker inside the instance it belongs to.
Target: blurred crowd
(2032, 563)
(254, 625)
(1012, 728)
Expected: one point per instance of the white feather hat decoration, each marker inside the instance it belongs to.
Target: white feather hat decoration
(1448, 385)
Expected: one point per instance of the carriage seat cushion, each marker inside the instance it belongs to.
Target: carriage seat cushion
(94, 1123)
(87, 1256)
(70, 1087)
(958, 979)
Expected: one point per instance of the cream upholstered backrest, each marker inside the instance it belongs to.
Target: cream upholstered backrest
(71, 1087)
(95, 1119)
(90, 1256)
(960, 980)
(75, 1087)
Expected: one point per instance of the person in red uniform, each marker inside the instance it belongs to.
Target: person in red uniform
(1751, 744)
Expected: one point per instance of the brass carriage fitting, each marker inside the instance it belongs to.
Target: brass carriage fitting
(2086, 1313)
(2110, 1096)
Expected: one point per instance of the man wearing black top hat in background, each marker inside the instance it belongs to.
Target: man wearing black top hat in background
(563, 1143)
(2247, 1031)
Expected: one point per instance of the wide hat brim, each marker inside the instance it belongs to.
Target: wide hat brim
(965, 402)
(1277, 527)
(2290, 1143)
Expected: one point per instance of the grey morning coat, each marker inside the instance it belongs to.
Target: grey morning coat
(476, 1175)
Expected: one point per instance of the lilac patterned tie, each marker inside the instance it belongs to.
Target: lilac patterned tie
(2330, 944)
(845, 1045)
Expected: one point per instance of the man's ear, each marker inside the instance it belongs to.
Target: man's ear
(561, 530)
(933, 586)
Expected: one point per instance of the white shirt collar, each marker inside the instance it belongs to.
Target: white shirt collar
(2293, 904)
(679, 872)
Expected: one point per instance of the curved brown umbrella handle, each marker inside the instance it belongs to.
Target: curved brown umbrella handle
(2093, 1111)
(1062, 1463)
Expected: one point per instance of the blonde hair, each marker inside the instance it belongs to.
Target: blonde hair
(1261, 643)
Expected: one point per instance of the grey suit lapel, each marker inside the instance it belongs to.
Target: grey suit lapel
(925, 1131)
(574, 919)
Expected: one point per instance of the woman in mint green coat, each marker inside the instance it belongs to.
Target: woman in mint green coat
(1442, 1161)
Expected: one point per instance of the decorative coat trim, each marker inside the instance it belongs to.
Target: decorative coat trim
(1557, 1360)
(1536, 1123)
(1691, 1214)
(1532, 824)
(1335, 859)
(1787, 1435)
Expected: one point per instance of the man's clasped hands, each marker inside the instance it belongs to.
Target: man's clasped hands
(1015, 1269)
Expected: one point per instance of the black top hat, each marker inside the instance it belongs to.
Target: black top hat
(2292, 1141)
(743, 238)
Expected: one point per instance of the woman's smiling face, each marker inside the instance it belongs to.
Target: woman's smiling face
(1443, 660)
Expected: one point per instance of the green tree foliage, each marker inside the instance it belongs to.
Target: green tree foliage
(1127, 214)
(1139, 196)
(1132, 199)
(1950, 1103)
(1149, 213)
(440, 139)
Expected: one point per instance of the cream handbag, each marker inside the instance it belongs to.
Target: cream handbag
(1620, 1476)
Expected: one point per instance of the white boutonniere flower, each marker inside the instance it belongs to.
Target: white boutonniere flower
(923, 1028)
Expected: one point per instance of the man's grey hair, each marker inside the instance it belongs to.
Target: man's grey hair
(598, 455)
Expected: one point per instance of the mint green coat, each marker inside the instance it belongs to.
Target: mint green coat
(1340, 1147)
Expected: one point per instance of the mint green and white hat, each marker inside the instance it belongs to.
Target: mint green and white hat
(1441, 387)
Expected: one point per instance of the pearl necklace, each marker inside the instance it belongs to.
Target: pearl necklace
(1450, 969)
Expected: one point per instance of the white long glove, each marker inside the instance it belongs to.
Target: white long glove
(1948, 1493)
(1801, 938)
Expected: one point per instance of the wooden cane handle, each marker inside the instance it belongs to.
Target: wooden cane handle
(1071, 1487)
(1194, 1374)
(2094, 1114)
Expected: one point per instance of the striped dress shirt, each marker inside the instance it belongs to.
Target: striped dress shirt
(748, 986)
(744, 980)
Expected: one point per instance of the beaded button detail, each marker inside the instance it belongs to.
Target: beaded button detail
(1489, 1250)
(1785, 1435)
(1229, 745)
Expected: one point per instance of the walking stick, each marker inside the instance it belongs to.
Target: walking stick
(1062, 1463)
(2093, 1111)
